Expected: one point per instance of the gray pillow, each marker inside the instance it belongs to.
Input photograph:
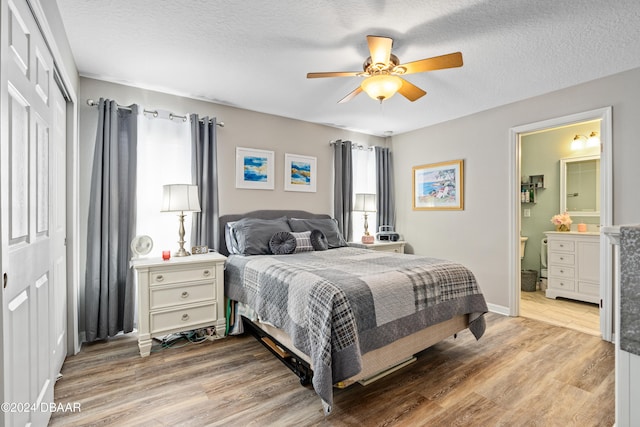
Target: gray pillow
(282, 243)
(230, 238)
(318, 240)
(328, 226)
(252, 234)
(303, 242)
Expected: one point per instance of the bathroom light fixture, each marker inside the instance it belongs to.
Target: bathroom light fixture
(180, 198)
(581, 141)
(381, 86)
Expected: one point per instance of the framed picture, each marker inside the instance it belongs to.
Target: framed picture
(299, 173)
(438, 186)
(254, 169)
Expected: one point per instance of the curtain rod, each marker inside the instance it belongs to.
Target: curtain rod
(92, 103)
(353, 146)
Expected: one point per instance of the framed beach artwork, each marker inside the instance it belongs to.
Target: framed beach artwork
(299, 173)
(438, 186)
(254, 169)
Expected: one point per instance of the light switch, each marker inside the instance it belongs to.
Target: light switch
(527, 213)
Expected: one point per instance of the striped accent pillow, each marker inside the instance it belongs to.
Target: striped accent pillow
(303, 242)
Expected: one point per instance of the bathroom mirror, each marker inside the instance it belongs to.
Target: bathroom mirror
(580, 186)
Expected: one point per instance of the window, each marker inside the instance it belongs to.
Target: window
(164, 157)
(364, 181)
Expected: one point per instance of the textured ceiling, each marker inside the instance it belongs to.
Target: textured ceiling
(254, 54)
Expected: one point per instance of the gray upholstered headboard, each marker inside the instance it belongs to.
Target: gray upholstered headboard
(262, 214)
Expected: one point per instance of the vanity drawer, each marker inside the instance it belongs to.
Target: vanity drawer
(562, 258)
(183, 318)
(562, 245)
(561, 271)
(563, 284)
(167, 296)
(166, 276)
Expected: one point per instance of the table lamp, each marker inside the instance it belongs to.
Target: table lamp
(365, 202)
(180, 198)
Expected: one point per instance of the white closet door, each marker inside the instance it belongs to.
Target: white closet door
(28, 186)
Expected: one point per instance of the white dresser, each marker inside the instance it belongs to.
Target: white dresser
(574, 266)
(385, 246)
(179, 294)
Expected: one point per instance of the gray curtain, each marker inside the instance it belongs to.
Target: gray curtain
(109, 286)
(204, 167)
(384, 188)
(343, 187)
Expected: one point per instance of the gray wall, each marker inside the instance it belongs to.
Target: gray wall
(478, 236)
(540, 155)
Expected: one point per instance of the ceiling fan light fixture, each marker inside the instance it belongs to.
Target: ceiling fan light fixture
(381, 86)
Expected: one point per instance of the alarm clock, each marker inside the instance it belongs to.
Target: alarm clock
(386, 234)
(199, 250)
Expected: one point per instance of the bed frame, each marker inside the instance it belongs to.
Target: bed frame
(376, 363)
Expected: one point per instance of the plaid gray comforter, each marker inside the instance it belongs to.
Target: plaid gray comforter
(339, 304)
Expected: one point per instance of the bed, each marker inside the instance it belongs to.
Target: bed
(348, 314)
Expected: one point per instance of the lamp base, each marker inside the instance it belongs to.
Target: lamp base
(368, 239)
(182, 252)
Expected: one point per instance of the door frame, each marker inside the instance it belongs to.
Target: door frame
(606, 203)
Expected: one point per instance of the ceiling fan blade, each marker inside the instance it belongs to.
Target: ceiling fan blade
(351, 95)
(411, 91)
(450, 60)
(334, 74)
(380, 49)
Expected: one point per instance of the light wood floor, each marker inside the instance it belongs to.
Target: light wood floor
(577, 315)
(520, 373)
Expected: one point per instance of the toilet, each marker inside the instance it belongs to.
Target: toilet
(528, 278)
(523, 242)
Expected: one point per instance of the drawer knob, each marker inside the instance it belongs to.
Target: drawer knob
(185, 294)
(561, 258)
(206, 273)
(185, 317)
(561, 284)
(159, 278)
(561, 271)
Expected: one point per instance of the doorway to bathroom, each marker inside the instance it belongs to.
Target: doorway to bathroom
(577, 299)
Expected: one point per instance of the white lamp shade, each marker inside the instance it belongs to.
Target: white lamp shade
(180, 197)
(365, 202)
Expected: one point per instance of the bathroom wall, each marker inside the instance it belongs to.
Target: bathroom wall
(541, 153)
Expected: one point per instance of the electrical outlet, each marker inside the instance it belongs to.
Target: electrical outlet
(527, 213)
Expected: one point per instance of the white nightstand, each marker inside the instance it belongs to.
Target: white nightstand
(386, 246)
(179, 294)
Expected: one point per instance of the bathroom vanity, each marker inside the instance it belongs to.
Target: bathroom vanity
(574, 265)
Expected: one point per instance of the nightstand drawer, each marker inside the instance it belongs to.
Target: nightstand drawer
(561, 258)
(562, 245)
(164, 277)
(565, 285)
(561, 271)
(168, 296)
(183, 318)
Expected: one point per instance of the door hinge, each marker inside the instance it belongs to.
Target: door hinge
(601, 303)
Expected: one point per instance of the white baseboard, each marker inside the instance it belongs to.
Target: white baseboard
(499, 309)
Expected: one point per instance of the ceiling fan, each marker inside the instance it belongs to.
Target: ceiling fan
(382, 70)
